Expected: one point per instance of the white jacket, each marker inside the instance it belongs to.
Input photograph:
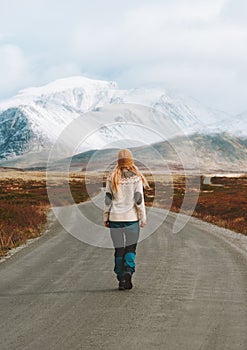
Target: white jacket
(128, 203)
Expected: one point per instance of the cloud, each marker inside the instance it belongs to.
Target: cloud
(176, 12)
(180, 29)
(184, 44)
(14, 69)
(235, 11)
(193, 45)
(193, 80)
(62, 70)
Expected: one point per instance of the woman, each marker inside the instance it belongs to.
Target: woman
(125, 213)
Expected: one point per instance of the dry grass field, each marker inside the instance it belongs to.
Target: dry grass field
(224, 202)
(25, 203)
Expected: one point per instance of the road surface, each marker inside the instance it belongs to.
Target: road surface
(190, 293)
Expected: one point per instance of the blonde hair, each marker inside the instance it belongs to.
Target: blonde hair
(125, 161)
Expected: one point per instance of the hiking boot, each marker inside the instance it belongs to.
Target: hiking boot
(128, 283)
(121, 285)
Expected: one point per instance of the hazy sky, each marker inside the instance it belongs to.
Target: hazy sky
(196, 46)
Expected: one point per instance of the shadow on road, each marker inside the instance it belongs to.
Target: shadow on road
(78, 291)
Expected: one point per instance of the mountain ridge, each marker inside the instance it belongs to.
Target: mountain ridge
(34, 119)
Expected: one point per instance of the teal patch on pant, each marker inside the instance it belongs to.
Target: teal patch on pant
(129, 262)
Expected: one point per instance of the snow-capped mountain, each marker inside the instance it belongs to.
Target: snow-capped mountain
(42, 113)
(35, 118)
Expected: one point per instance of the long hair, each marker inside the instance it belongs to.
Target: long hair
(125, 160)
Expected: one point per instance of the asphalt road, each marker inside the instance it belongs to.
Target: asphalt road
(190, 293)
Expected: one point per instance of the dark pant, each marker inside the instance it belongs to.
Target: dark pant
(125, 235)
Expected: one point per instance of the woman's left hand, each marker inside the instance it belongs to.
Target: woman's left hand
(106, 223)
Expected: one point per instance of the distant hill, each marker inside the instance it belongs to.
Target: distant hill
(218, 152)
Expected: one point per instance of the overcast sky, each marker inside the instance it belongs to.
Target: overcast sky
(198, 47)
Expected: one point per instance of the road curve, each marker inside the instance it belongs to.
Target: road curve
(190, 293)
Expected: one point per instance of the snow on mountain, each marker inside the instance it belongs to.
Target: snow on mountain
(51, 107)
(77, 92)
(187, 112)
(34, 118)
(236, 125)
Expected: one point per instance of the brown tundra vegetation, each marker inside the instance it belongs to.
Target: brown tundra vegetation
(223, 202)
(25, 203)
